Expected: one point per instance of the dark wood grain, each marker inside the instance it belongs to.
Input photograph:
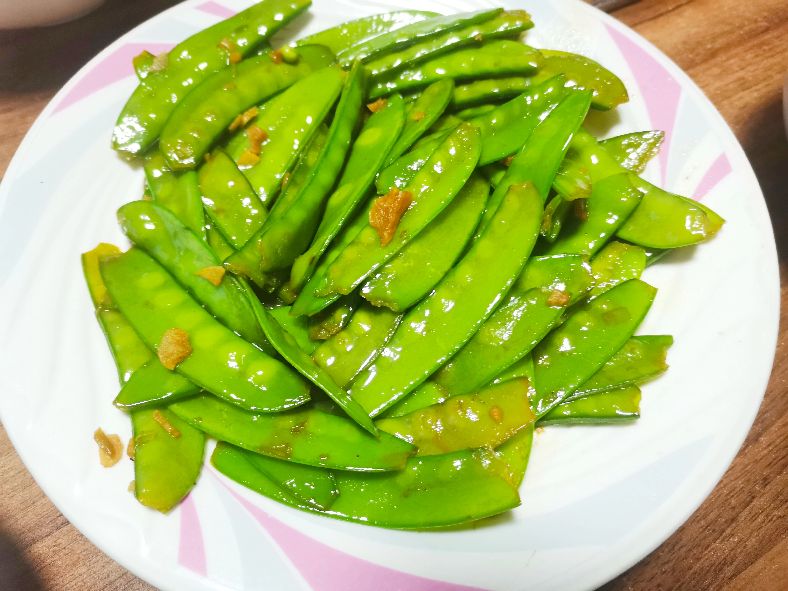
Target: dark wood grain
(736, 541)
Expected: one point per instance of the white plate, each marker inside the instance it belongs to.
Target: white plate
(595, 500)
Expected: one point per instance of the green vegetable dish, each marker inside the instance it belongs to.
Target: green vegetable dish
(371, 263)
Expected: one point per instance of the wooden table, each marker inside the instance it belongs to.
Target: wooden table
(736, 51)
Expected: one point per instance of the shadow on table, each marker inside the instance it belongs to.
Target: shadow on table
(15, 572)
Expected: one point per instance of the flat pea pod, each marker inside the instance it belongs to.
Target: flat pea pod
(432, 491)
(350, 350)
(229, 199)
(296, 326)
(167, 462)
(489, 90)
(413, 33)
(217, 242)
(611, 203)
(288, 348)
(497, 58)
(471, 112)
(186, 257)
(400, 172)
(505, 24)
(334, 318)
(192, 61)
(428, 394)
(640, 359)
(612, 407)
(437, 327)
(615, 263)
(366, 157)
(421, 264)
(486, 418)
(421, 115)
(634, 150)
(153, 385)
(533, 307)
(591, 335)
(178, 192)
(288, 231)
(206, 112)
(220, 361)
(516, 452)
(521, 369)
(308, 436)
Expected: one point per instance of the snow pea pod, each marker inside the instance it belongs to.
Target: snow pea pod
(614, 264)
(521, 369)
(143, 64)
(486, 418)
(555, 213)
(634, 150)
(616, 406)
(178, 192)
(400, 172)
(516, 452)
(190, 63)
(413, 33)
(289, 229)
(308, 436)
(153, 385)
(428, 394)
(295, 326)
(534, 306)
(488, 91)
(591, 335)
(334, 318)
(229, 199)
(497, 58)
(437, 327)
(217, 242)
(366, 157)
(206, 112)
(505, 24)
(220, 361)
(422, 263)
(471, 112)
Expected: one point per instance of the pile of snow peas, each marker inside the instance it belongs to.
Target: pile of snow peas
(369, 263)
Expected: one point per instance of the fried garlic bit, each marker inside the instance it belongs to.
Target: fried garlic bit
(213, 274)
(131, 449)
(159, 417)
(378, 105)
(387, 211)
(110, 447)
(251, 155)
(418, 116)
(244, 118)
(558, 299)
(174, 347)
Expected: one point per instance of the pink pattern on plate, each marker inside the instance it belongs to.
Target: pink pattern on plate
(115, 66)
(216, 9)
(661, 91)
(191, 550)
(328, 569)
(718, 170)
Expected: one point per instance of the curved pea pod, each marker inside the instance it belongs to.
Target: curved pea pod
(192, 61)
(366, 157)
(422, 114)
(400, 172)
(190, 261)
(308, 436)
(422, 263)
(437, 327)
(295, 326)
(534, 306)
(342, 37)
(167, 458)
(288, 231)
(153, 385)
(505, 24)
(634, 150)
(178, 192)
(350, 350)
(555, 214)
(428, 394)
(640, 359)
(334, 318)
(486, 418)
(413, 33)
(220, 361)
(591, 335)
(616, 406)
(206, 112)
(497, 58)
(516, 452)
(488, 91)
(615, 263)
(229, 199)
(571, 187)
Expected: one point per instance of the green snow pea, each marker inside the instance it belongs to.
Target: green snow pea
(422, 263)
(614, 264)
(432, 491)
(612, 201)
(615, 406)
(153, 385)
(521, 369)
(178, 192)
(413, 33)
(220, 361)
(421, 115)
(190, 63)
(366, 157)
(229, 199)
(516, 452)
(533, 307)
(206, 112)
(143, 64)
(330, 321)
(428, 394)
(653, 255)
(439, 325)
(486, 418)
(505, 24)
(634, 150)
(344, 36)
(217, 242)
(295, 326)
(288, 231)
(400, 172)
(555, 213)
(350, 350)
(308, 436)
(166, 462)
(571, 187)
(472, 112)
(497, 58)
(488, 91)
(591, 335)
